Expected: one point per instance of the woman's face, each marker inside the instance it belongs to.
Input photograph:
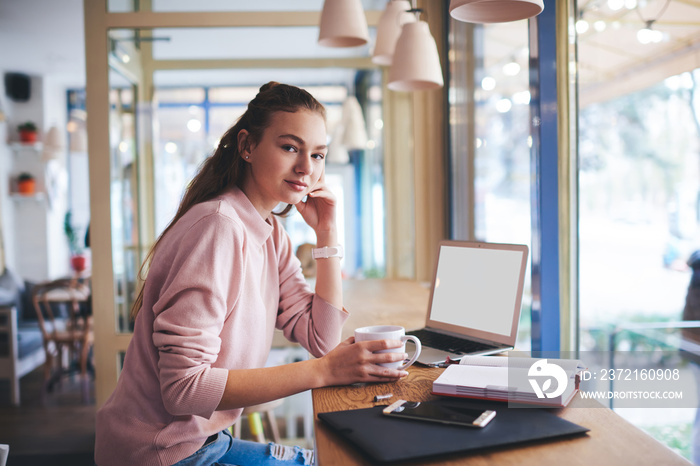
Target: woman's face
(288, 160)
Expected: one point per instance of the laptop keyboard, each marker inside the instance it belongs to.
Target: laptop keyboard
(449, 343)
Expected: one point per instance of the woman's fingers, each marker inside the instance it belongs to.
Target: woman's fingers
(374, 359)
(385, 358)
(388, 376)
(318, 211)
(379, 345)
(322, 194)
(352, 362)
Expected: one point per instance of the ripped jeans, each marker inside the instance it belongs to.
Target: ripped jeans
(228, 451)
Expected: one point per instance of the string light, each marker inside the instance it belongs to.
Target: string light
(615, 5)
(648, 35)
(488, 83)
(511, 69)
(582, 26)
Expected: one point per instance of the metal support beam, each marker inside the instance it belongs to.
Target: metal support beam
(548, 242)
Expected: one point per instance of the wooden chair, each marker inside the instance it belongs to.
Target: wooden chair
(68, 336)
(20, 351)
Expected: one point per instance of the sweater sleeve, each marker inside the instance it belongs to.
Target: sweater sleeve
(303, 316)
(203, 282)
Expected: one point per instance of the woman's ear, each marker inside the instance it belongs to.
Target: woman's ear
(243, 144)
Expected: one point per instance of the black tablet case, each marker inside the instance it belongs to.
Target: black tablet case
(386, 439)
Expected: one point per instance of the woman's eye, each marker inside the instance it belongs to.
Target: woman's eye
(319, 156)
(289, 148)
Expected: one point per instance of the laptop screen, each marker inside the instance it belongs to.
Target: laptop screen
(479, 286)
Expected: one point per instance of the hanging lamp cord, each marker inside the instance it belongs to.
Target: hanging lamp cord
(649, 22)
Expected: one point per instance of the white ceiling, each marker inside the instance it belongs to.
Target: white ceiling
(47, 38)
(43, 37)
(612, 61)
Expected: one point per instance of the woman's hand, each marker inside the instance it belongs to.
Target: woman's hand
(318, 211)
(352, 362)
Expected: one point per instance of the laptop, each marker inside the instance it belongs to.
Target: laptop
(475, 299)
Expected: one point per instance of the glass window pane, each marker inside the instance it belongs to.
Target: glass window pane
(126, 244)
(498, 120)
(181, 147)
(180, 95)
(221, 118)
(637, 234)
(639, 180)
(502, 160)
(120, 6)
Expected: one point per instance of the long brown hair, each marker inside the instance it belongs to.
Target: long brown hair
(225, 167)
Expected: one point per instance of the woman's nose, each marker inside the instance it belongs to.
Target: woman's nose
(304, 165)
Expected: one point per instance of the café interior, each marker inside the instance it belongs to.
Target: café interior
(575, 131)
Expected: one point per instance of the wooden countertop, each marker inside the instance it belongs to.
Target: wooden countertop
(611, 440)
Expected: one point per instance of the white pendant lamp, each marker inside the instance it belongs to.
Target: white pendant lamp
(494, 11)
(78, 141)
(343, 24)
(53, 144)
(389, 29)
(354, 127)
(337, 152)
(54, 139)
(416, 64)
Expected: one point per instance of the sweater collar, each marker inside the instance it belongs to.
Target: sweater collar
(259, 228)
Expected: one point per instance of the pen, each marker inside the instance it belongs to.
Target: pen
(448, 362)
(383, 397)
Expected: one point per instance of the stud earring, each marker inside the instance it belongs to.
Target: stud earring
(246, 157)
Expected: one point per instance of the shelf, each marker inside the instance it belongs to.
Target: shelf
(26, 146)
(36, 197)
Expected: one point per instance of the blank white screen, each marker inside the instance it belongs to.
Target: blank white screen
(476, 288)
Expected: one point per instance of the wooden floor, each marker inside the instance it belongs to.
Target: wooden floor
(59, 430)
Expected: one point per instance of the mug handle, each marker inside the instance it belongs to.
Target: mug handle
(416, 342)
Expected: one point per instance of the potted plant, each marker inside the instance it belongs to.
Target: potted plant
(78, 260)
(26, 184)
(27, 132)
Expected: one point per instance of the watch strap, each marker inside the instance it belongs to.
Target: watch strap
(327, 251)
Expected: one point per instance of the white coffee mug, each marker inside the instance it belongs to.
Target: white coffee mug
(390, 332)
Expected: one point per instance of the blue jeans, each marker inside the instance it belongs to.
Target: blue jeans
(228, 451)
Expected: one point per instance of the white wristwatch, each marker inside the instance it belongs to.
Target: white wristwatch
(327, 251)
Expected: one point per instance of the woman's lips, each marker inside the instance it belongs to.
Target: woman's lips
(297, 185)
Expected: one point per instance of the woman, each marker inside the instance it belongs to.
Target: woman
(222, 277)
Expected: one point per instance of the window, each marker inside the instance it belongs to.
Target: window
(638, 178)
(489, 136)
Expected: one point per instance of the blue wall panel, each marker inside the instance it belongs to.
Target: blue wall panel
(545, 181)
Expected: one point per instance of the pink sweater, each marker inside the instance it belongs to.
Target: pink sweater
(221, 280)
